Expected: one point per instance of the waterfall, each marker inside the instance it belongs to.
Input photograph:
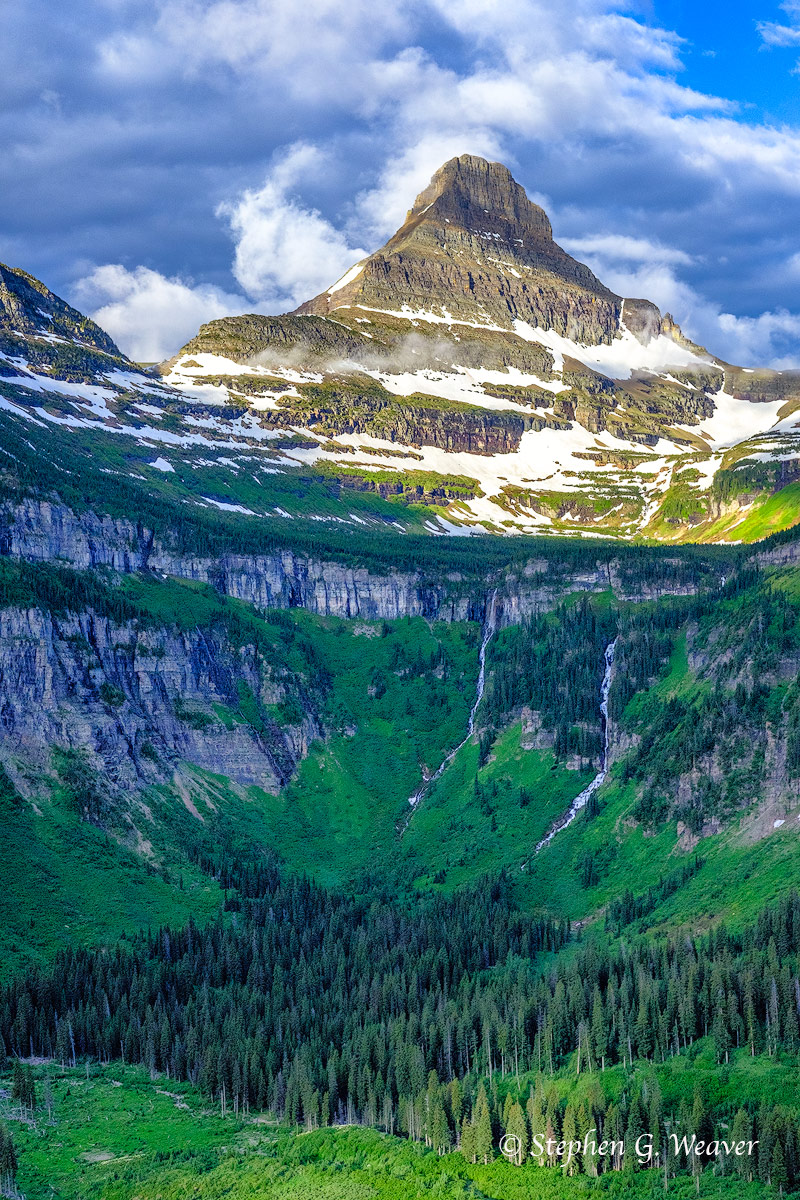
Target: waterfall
(488, 630)
(583, 798)
(489, 627)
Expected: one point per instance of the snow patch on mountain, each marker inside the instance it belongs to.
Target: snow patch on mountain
(736, 420)
(547, 459)
(348, 277)
(462, 384)
(624, 355)
(407, 313)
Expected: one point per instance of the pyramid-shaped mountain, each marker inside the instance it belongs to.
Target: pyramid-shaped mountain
(470, 374)
(527, 395)
(476, 248)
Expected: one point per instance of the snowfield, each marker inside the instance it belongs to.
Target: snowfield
(550, 460)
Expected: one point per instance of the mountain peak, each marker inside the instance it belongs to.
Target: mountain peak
(469, 189)
(474, 249)
(29, 309)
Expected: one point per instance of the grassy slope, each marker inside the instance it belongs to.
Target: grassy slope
(768, 514)
(117, 1134)
(464, 836)
(63, 881)
(736, 880)
(338, 815)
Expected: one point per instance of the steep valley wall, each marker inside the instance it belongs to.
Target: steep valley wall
(41, 531)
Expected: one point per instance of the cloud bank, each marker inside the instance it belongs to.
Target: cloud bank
(148, 315)
(259, 150)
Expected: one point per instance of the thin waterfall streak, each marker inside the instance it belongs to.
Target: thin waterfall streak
(489, 628)
(583, 798)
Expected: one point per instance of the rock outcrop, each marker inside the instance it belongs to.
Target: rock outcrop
(475, 247)
(29, 308)
(41, 531)
(48, 335)
(139, 700)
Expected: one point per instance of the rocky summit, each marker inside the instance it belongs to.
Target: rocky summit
(475, 249)
(468, 376)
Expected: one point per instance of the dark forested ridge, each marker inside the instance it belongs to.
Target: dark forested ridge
(324, 1009)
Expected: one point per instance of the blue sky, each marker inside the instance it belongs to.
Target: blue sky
(170, 161)
(724, 53)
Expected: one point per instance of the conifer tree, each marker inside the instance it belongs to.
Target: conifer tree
(483, 1146)
(599, 1032)
(535, 1108)
(468, 1140)
(8, 1160)
(572, 1162)
(742, 1131)
(455, 1103)
(778, 1176)
(516, 1131)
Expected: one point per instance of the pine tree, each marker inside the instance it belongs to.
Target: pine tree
(572, 1162)
(48, 1096)
(721, 1030)
(455, 1103)
(778, 1176)
(468, 1140)
(552, 1124)
(634, 1129)
(517, 1135)
(655, 1119)
(483, 1143)
(438, 1128)
(599, 1033)
(702, 1127)
(18, 1082)
(535, 1109)
(8, 1160)
(742, 1131)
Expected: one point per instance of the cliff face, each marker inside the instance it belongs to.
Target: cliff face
(475, 245)
(358, 404)
(41, 531)
(139, 700)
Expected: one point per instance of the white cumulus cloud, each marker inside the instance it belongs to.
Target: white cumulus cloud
(285, 252)
(612, 247)
(148, 315)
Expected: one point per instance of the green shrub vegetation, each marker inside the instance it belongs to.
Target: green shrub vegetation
(352, 1003)
(677, 1039)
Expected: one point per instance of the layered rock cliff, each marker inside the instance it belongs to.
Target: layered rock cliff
(140, 700)
(42, 531)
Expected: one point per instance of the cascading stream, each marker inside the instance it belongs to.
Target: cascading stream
(489, 628)
(583, 798)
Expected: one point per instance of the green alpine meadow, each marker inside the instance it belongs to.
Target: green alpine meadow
(400, 691)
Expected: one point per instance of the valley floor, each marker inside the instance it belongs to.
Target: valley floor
(116, 1133)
